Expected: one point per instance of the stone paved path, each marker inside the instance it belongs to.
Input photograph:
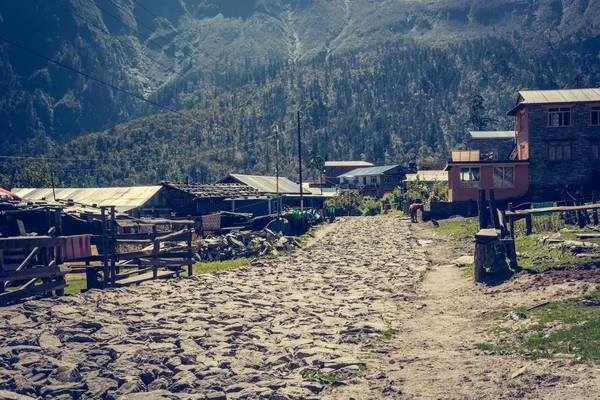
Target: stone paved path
(282, 328)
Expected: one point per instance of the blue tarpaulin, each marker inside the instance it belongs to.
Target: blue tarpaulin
(543, 205)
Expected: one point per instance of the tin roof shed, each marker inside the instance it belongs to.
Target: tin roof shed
(123, 198)
(264, 184)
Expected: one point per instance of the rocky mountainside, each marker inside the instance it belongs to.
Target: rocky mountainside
(188, 54)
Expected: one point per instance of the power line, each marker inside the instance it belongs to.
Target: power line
(99, 80)
(138, 159)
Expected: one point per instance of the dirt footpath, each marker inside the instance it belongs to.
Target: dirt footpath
(348, 316)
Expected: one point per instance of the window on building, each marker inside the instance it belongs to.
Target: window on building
(504, 177)
(388, 179)
(559, 116)
(373, 179)
(470, 177)
(595, 116)
(559, 151)
(595, 151)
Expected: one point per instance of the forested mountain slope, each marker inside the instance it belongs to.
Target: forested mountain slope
(400, 103)
(383, 80)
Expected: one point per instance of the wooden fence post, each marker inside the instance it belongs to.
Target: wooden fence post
(113, 248)
(479, 267)
(529, 224)
(494, 211)
(511, 222)
(481, 206)
(595, 213)
(190, 253)
(155, 251)
(1, 269)
(580, 217)
(59, 255)
(104, 248)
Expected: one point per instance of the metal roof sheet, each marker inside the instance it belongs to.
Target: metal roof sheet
(348, 164)
(123, 198)
(267, 184)
(368, 171)
(559, 96)
(492, 134)
(212, 190)
(428, 176)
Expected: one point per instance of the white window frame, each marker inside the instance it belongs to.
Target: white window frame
(471, 183)
(556, 151)
(503, 183)
(595, 109)
(556, 117)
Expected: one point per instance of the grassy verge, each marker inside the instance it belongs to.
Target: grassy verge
(566, 329)
(458, 230)
(75, 286)
(537, 256)
(216, 266)
(396, 213)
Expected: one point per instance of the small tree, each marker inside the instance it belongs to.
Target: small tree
(315, 162)
(478, 119)
(416, 189)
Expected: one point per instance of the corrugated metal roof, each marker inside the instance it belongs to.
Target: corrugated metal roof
(267, 184)
(368, 171)
(559, 96)
(555, 97)
(428, 176)
(492, 134)
(212, 190)
(123, 198)
(348, 164)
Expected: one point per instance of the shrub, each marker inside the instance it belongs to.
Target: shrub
(369, 207)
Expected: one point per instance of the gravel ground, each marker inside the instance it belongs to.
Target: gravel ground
(295, 327)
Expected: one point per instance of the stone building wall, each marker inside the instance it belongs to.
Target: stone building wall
(549, 177)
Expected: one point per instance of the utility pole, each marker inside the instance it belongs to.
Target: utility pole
(300, 171)
(276, 128)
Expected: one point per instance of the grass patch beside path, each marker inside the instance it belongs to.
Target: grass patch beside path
(216, 266)
(75, 286)
(458, 229)
(529, 247)
(566, 329)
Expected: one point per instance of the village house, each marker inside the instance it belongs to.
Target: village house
(556, 140)
(333, 169)
(558, 133)
(495, 145)
(373, 181)
(204, 199)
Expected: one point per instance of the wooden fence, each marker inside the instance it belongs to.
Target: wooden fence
(497, 227)
(41, 271)
(115, 268)
(32, 264)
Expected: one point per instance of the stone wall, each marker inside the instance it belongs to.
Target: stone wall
(549, 178)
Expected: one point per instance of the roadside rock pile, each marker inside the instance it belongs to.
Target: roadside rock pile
(243, 244)
(575, 246)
